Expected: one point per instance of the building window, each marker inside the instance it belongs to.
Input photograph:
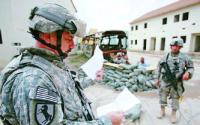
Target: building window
(176, 18)
(131, 42)
(164, 21)
(1, 41)
(136, 27)
(184, 39)
(185, 16)
(132, 28)
(135, 42)
(174, 36)
(145, 25)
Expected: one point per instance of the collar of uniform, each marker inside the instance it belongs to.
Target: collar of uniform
(44, 53)
(175, 54)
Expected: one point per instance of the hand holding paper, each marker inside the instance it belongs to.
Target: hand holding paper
(125, 102)
(116, 117)
(94, 64)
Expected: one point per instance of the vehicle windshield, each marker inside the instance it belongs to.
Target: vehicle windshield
(114, 41)
(105, 41)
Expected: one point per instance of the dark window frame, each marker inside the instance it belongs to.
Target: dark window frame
(164, 21)
(135, 42)
(184, 38)
(185, 16)
(145, 25)
(132, 28)
(177, 18)
(131, 42)
(136, 27)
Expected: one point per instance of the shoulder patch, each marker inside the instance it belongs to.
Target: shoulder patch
(46, 94)
(44, 113)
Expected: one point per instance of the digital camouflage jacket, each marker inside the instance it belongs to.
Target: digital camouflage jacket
(37, 88)
(178, 64)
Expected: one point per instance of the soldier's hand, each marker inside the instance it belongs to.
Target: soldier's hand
(158, 83)
(99, 74)
(116, 117)
(186, 76)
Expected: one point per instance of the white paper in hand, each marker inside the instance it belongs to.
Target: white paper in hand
(94, 64)
(124, 102)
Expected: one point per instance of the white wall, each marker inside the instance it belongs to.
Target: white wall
(156, 29)
(14, 24)
(6, 24)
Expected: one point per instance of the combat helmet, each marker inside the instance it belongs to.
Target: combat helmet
(177, 41)
(54, 18)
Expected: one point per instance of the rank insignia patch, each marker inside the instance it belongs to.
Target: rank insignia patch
(44, 113)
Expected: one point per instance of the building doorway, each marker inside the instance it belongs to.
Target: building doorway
(162, 44)
(195, 43)
(145, 44)
(153, 43)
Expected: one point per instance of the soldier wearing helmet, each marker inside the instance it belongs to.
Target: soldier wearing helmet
(173, 69)
(177, 42)
(37, 88)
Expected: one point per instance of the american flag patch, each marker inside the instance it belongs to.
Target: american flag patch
(46, 94)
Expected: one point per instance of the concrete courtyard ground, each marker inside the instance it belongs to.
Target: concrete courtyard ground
(189, 113)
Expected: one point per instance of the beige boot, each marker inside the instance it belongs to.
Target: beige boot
(162, 112)
(173, 117)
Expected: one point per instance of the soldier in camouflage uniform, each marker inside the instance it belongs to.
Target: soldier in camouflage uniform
(182, 67)
(36, 87)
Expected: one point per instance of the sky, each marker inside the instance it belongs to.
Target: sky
(114, 14)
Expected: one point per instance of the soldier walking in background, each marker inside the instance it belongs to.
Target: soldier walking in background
(37, 88)
(173, 68)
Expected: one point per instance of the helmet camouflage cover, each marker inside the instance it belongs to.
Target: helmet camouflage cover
(52, 17)
(177, 41)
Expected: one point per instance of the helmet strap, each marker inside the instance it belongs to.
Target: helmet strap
(57, 47)
(35, 35)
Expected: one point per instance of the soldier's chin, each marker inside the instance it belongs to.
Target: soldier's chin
(175, 51)
(65, 55)
(69, 50)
